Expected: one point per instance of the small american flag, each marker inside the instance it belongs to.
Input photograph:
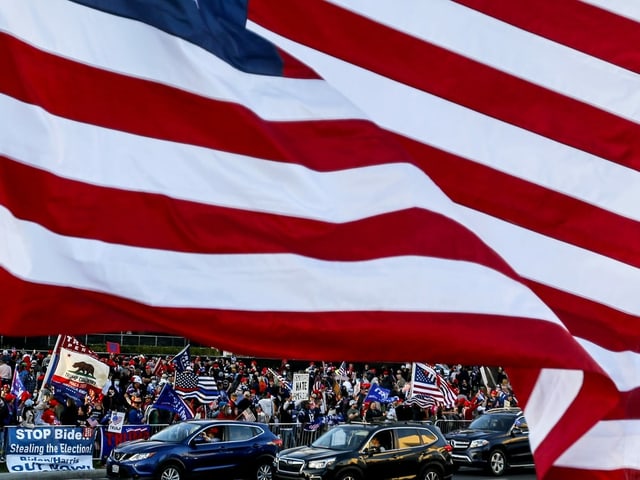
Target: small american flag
(248, 415)
(428, 388)
(341, 373)
(283, 382)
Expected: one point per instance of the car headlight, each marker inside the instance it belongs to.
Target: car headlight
(479, 443)
(136, 457)
(324, 463)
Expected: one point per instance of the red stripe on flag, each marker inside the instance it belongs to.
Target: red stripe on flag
(453, 77)
(76, 305)
(574, 23)
(149, 223)
(159, 111)
(520, 202)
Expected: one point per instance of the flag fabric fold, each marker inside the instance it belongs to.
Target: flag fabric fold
(182, 359)
(190, 385)
(282, 381)
(168, 399)
(267, 172)
(75, 370)
(341, 372)
(428, 388)
(17, 387)
(247, 415)
(378, 394)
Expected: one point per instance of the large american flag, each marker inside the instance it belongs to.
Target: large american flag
(457, 177)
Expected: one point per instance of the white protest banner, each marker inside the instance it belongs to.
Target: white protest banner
(116, 421)
(300, 386)
(49, 449)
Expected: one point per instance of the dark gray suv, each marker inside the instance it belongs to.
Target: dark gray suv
(495, 441)
(372, 452)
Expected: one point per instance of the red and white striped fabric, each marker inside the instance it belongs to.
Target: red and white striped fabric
(455, 178)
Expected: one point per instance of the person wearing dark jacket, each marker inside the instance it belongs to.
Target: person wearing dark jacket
(69, 415)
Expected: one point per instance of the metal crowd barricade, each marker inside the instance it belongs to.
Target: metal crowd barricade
(295, 434)
(447, 426)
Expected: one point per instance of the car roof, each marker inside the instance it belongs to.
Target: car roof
(220, 422)
(383, 425)
(509, 411)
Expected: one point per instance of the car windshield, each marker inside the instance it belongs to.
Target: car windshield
(339, 438)
(498, 423)
(176, 432)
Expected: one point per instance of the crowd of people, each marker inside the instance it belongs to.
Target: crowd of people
(246, 389)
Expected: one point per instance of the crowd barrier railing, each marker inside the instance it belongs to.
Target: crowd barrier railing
(447, 426)
(292, 434)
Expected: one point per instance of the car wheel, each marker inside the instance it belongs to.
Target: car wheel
(431, 473)
(264, 470)
(497, 463)
(349, 475)
(170, 472)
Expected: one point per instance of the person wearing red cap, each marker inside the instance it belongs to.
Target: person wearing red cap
(49, 415)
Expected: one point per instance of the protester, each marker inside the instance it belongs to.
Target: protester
(69, 415)
(353, 414)
(28, 416)
(49, 416)
(135, 415)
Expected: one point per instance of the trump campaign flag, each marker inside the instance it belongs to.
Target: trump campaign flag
(254, 174)
(182, 359)
(168, 399)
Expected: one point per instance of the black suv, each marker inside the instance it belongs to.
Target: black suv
(495, 441)
(371, 451)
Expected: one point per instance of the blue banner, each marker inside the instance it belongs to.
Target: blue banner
(49, 449)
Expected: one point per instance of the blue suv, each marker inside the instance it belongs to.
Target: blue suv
(199, 448)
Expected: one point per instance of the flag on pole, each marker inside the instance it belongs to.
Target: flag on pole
(159, 368)
(190, 385)
(428, 388)
(75, 370)
(261, 168)
(282, 381)
(378, 394)
(17, 388)
(113, 347)
(248, 415)
(168, 399)
(341, 373)
(182, 360)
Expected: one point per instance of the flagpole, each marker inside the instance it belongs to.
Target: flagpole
(51, 367)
